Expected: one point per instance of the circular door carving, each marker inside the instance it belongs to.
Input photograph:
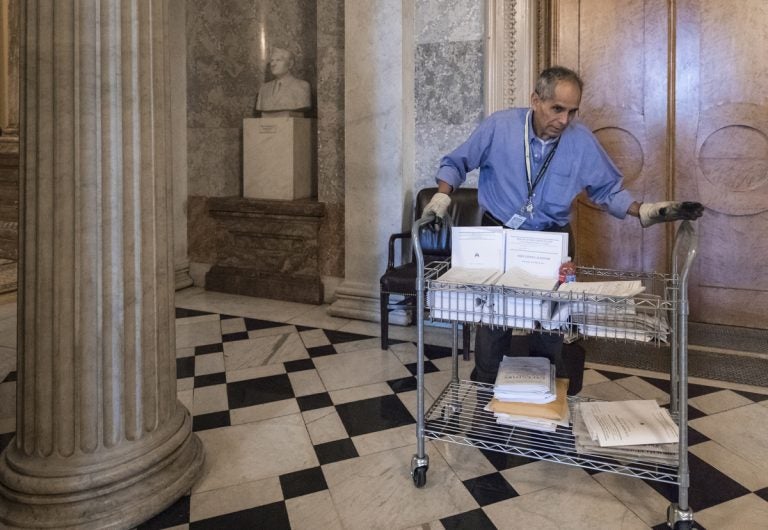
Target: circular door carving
(735, 158)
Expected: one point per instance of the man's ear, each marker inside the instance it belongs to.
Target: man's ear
(535, 99)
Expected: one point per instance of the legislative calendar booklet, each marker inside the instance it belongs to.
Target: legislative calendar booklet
(477, 247)
(537, 253)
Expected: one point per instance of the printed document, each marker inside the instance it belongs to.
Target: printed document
(538, 253)
(477, 247)
(615, 423)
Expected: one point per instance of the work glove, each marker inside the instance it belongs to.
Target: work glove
(438, 205)
(659, 212)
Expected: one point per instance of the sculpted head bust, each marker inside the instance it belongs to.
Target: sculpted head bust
(285, 92)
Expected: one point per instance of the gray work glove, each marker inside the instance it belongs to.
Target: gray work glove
(659, 212)
(438, 205)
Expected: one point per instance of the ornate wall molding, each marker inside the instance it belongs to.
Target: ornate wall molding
(512, 52)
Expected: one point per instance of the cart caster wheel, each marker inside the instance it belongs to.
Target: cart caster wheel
(419, 475)
(684, 525)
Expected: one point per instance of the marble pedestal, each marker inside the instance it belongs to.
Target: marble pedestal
(277, 158)
(267, 248)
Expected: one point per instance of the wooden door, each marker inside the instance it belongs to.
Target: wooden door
(713, 148)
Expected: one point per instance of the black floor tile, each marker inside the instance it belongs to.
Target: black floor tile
(214, 420)
(502, 461)
(337, 337)
(11, 377)
(302, 482)
(238, 335)
(185, 367)
(186, 313)
(258, 391)
(763, 494)
(428, 367)
(268, 517)
(708, 488)
(209, 348)
(320, 351)
(174, 515)
(219, 378)
(227, 317)
(406, 384)
(473, 520)
(757, 398)
(335, 451)
(298, 366)
(373, 415)
(5, 439)
(252, 324)
(314, 401)
(491, 488)
(437, 352)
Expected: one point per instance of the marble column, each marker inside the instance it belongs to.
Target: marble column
(379, 140)
(101, 439)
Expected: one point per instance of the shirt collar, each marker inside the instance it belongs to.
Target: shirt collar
(534, 136)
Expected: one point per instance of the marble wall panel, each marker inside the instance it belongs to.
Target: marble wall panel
(449, 101)
(448, 20)
(448, 81)
(330, 133)
(215, 161)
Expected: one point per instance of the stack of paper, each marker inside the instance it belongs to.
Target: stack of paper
(541, 417)
(518, 306)
(633, 430)
(606, 309)
(525, 380)
(455, 295)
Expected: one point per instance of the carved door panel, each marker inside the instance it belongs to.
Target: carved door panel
(624, 67)
(722, 154)
(714, 150)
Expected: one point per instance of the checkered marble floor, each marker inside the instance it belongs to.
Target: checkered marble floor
(307, 423)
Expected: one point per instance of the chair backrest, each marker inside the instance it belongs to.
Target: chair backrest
(464, 211)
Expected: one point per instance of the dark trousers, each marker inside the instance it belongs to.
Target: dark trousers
(491, 344)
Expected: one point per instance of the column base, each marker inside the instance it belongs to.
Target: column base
(127, 493)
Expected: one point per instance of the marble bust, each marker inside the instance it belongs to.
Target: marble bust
(285, 92)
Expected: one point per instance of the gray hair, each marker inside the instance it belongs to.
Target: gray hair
(545, 84)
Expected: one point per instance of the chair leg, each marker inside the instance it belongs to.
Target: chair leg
(465, 340)
(384, 302)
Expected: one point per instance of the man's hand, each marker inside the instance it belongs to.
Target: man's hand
(438, 205)
(660, 212)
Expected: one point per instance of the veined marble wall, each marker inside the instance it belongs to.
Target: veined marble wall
(449, 81)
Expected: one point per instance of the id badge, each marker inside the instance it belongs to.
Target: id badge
(516, 221)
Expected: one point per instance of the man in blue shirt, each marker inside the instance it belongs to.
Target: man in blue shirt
(533, 162)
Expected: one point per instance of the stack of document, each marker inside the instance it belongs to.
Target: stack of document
(608, 309)
(626, 430)
(458, 294)
(517, 303)
(526, 394)
(541, 417)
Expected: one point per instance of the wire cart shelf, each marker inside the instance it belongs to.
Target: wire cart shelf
(657, 315)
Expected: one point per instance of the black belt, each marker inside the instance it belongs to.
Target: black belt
(490, 220)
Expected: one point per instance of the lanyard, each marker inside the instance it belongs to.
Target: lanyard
(542, 169)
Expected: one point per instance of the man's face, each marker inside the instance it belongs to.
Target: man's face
(279, 64)
(552, 116)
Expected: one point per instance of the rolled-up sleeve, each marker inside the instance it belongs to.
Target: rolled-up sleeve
(607, 183)
(468, 156)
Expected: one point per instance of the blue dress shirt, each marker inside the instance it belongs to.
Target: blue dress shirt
(497, 148)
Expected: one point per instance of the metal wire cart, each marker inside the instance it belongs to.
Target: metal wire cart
(658, 315)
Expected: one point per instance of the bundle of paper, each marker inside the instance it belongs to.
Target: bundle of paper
(457, 294)
(542, 417)
(659, 453)
(525, 380)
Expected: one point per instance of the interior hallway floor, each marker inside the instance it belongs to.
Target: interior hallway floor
(308, 424)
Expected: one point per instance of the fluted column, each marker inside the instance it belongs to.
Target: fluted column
(101, 439)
